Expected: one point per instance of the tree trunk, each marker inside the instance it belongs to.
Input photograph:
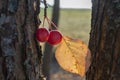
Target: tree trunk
(20, 55)
(48, 47)
(105, 40)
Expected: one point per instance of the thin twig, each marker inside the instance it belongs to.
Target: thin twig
(45, 9)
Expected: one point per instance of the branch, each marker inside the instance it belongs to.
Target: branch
(45, 9)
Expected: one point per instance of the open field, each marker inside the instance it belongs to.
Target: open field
(74, 23)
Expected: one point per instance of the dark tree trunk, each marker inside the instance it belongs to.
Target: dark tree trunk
(105, 40)
(48, 47)
(55, 14)
(20, 55)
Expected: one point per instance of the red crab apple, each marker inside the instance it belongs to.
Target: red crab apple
(42, 34)
(55, 37)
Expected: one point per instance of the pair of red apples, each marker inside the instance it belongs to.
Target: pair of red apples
(53, 37)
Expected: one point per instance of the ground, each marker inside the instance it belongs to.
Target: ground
(57, 73)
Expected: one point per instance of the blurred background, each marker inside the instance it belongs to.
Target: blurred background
(73, 18)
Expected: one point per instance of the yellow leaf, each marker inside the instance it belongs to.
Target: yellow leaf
(73, 55)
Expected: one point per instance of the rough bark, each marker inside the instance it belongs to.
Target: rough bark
(105, 40)
(48, 48)
(20, 55)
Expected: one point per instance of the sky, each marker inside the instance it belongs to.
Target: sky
(73, 3)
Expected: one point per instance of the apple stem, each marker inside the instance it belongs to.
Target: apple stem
(45, 17)
(51, 23)
(43, 22)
